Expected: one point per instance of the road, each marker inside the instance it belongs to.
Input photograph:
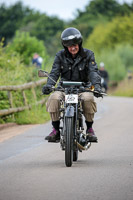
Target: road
(32, 169)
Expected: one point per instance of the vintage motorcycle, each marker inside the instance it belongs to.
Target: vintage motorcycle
(73, 139)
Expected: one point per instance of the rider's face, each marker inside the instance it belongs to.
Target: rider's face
(73, 49)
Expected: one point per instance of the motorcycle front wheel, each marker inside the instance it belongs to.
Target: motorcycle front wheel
(69, 141)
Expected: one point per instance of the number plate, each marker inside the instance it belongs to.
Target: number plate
(71, 98)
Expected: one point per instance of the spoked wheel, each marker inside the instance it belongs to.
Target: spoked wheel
(69, 142)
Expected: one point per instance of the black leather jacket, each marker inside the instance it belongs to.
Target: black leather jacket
(82, 68)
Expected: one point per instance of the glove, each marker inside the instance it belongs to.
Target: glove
(47, 89)
(97, 91)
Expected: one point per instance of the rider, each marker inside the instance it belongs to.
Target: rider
(73, 63)
(104, 75)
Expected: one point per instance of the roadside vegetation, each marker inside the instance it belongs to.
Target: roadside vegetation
(24, 31)
(15, 69)
(124, 88)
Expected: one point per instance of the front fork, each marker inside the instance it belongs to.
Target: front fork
(76, 113)
(68, 112)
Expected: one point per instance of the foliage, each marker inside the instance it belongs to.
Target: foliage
(113, 64)
(18, 17)
(11, 18)
(125, 51)
(14, 72)
(6, 60)
(99, 12)
(113, 44)
(37, 115)
(120, 30)
(48, 28)
(125, 88)
(25, 46)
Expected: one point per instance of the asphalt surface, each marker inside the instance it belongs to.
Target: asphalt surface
(33, 169)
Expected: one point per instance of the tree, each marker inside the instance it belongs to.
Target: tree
(99, 12)
(47, 28)
(11, 18)
(120, 30)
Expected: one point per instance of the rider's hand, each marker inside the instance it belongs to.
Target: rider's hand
(97, 91)
(47, 89)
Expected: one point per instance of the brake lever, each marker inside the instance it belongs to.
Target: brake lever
(99, 94)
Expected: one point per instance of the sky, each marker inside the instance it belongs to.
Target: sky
(64, 9)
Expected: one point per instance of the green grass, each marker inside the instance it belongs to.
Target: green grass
(125, 89)
(37, 115)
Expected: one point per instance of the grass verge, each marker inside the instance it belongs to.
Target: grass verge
(125, 88)
(37, 115)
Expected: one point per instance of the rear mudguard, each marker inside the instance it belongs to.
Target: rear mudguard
(69, 111)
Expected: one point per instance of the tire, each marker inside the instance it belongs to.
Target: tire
(69, 142)
(75, 155)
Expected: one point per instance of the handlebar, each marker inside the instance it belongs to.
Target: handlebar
(79, 85)
(79, 90)
(69, 87)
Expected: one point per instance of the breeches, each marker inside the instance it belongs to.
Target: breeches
(87, 100)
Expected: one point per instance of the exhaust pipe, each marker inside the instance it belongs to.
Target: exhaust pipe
(84, 147)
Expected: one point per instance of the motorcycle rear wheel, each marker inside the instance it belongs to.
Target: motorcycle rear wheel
(69, 141)
(75, 155)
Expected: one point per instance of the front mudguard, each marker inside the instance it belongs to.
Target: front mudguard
(69, 112)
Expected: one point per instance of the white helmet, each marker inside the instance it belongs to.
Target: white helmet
(101, 64)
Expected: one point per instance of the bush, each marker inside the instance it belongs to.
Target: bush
(14, 72)
(125, 52)
(113, 64)
(119, 31)
(25, 46)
